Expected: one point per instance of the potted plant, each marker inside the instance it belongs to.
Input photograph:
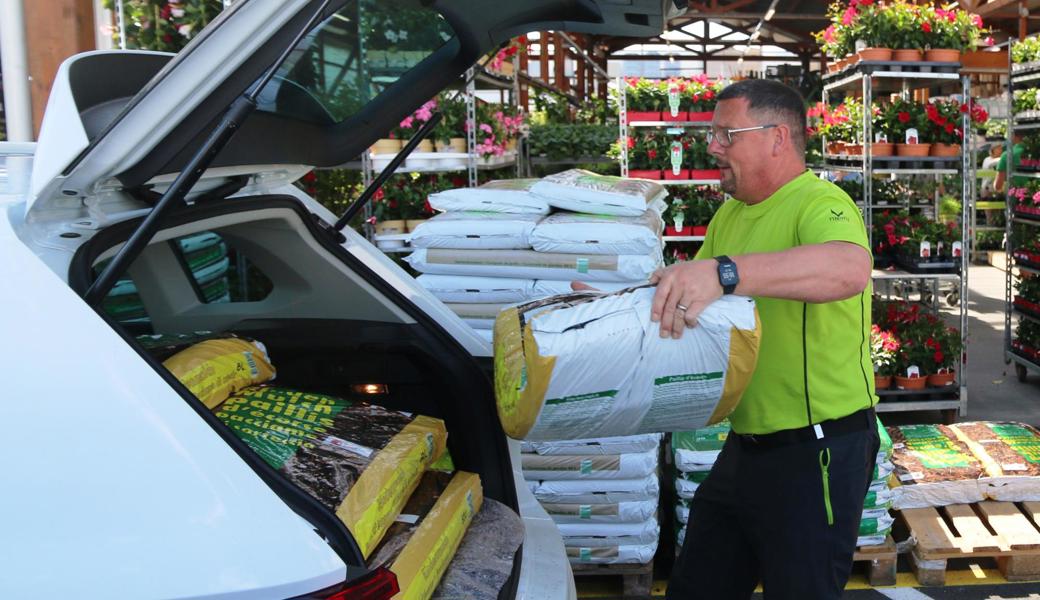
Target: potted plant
(644, 99)
(677, 209)
(883, 349)
(644, 156)
(386, 212)
(677, 101)
(678, 149)
(872, 31)
(911, 29)
(953, 31)
(944, 131)
(946, 348)
(448, 135)
(900, 121)
(700, 163)
(702, 94)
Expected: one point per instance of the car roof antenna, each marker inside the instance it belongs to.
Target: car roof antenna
(239, 110)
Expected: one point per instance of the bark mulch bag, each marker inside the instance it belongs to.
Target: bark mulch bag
(697, 450)
(421, 543)
(484, 560)
(593, 535)
(612, 555)
(582, 191)
(1010, 456)
(215, 369)
(617, 512)
(528, 264)
(590, 364)
(603, 491)
(575, 233)
(478, 290)
(933, 467)
(475, 231)
(604, 445)
(359, 460)
(503, 196)
(618, 466)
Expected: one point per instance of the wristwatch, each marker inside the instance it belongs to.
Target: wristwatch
(728, 277)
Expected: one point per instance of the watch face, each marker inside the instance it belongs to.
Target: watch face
(728, 274)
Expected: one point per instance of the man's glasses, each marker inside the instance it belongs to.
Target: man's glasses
(725, 136)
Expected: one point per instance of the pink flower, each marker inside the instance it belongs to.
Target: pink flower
(485, 128)
(407, 123)
(849, 17)
(989, 41)
(977, 20)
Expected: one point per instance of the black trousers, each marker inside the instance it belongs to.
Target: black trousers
(762, 516)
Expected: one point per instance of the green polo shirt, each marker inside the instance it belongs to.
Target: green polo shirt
(1016, 160)
(814, 360)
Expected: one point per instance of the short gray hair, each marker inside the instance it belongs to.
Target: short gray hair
(780, 100)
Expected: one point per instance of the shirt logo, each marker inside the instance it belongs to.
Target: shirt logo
(838, 215)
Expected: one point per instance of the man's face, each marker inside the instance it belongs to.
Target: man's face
(749, 154)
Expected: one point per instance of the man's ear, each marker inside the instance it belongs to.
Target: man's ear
(781, 137)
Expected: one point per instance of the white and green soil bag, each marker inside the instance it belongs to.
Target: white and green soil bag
(475, 231)
(503, 196)
(528, 264)
(478, 290)
(582, 191)
(617, 512)
(686, 484)
(478, 316)
(604, 466)
(603, 491)
(604, 445)
(588, 364)
(543, 288)
(576, 233)
(682, 512)
(594, 535)
(697, 450)
(612, 555)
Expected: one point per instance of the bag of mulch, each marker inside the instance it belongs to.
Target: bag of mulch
(873, 540)
(699, 449)
(612, 555)
(421, 543)
(604, 491)
(503, 196)
(575, 233)
(484, 560)
(359, 460)
(618, 466)
(879, 499)
(885, 449)
(543, 288)
(617, 512)
(478, 316)
(590, 364)
(682, 511)
(582, 191)
(594, 535)
(624, 444)
(475, 231)
(477, 290)
(875, 526)
(528, 264)
(214, 369)
(933, 467)
(1010, 456)
(882, 470)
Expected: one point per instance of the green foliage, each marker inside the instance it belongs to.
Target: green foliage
(1025, 51)
(163, 25)
(898, 116)
(1024, 100)
(697, 204)
(571, 141)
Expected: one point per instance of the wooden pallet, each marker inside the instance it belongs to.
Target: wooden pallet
(636, 580)
(881, 562)
(1006, 531)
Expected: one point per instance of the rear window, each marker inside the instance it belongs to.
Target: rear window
(220, 272)
(352, 57)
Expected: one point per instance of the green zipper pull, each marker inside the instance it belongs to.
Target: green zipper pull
(825, 461)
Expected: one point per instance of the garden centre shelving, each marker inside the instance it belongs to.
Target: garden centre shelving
(1021, 76)
(871, 78)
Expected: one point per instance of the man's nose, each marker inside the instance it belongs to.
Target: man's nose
(715, 148)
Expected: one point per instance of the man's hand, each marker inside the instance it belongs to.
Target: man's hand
(578, 286)
(691, 285)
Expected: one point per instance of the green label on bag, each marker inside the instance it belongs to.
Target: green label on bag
(932, 448)
(689, 377)
(585, 554)
(586, 466)
(585, 511)
(1022, 441)
(582, 265)
(582, 397)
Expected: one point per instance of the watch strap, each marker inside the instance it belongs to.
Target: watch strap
(727, 288)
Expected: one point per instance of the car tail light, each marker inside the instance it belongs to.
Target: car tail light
(380, 584)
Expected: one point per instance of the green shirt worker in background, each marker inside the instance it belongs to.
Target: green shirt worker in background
(783, 502)
(1017, 149)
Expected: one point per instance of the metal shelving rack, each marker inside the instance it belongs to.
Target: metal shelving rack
(1024, 76)
(869, 78)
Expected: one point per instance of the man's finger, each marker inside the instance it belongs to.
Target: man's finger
(657, 308)
(668, 310)
(578, 286)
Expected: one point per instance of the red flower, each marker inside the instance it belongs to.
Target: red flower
(631, 143)
(709, 95)
(926, 27)
(964, 108)
(949, 128)
(904, 117)
(651, 154)
(938, 356)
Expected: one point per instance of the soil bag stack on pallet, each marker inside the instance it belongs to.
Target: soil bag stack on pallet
(876, 522)
(933, 467)
(602, 493)
(693, 453)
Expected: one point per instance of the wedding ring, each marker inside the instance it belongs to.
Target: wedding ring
(680, 307)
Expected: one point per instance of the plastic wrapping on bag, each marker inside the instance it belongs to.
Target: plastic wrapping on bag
(699, 449)
(359, 460)
(479, 290)
(475, 231)
(583, 191)
(575, 233)
(603, 491)
(613, 555)
(589, 365)
(214, 369)
(484, 560)
(933, 467)
(528, 264)
(543, 288)
(686, 486)
(875, 525)
(477, 316)
(618, 466)
(619, 512)
(594, 446)
(1010, 456)
(885, 447)
(502, 196)
(882, 470)
(164, 345)
(873, 540)
(682, 512)
(598, 535)
(879, 499)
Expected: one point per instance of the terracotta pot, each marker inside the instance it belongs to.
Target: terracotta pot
(671, 175)
(392, 227)
(854, 149)
(644, 173)
(942, 379)
(643, 115)
(875, 54)
(411, 224)
(835, 147)
(700, 117)
(679, 116)
(386, 146)
(705, 174)
(913, 149)
(425, 146)
(882, 382)
(907, 55)
(945, 150)
(882, 149)
(942, 55)
(910, 383)
(833, 67)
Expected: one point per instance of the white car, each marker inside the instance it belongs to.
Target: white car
(117, 481)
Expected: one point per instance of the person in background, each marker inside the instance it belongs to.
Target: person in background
(991, 162)
(782, 504)
(1016, 159)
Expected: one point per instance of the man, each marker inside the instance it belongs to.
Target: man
(782, 504)
(1016, 159)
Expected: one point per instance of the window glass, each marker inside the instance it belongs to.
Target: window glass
(219, 271)
(124, 304)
